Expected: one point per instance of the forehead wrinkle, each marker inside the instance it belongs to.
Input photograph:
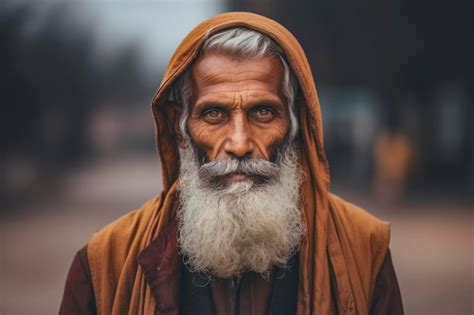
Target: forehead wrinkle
(209, 67)
(230, 84)
(225, 90)
(216, 75)
(234, 98)
(258, 92)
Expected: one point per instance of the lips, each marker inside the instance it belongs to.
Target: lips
(238, 177)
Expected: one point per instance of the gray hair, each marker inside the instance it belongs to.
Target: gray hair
(241, 42)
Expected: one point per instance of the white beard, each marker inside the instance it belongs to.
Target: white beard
(223, 232)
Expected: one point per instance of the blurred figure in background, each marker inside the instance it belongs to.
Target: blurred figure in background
(393, 155)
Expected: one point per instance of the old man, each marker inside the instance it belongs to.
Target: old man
(245, 223)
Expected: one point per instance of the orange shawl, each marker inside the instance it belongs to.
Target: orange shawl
(338, 234)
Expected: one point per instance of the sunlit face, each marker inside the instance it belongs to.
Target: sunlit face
(237, 108)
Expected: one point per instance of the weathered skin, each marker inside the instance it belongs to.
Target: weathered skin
(237, 108)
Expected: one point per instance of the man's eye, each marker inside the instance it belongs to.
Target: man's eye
(214, 114)
(263, 114)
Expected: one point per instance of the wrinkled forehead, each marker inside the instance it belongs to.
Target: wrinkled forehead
(226, 73)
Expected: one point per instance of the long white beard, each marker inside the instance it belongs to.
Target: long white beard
(224, 232)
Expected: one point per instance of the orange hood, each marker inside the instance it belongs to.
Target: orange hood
(188, 51)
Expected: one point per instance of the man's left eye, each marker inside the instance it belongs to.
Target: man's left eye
(263, 114)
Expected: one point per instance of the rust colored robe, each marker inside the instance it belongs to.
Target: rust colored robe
(340, 239)
(257, 296)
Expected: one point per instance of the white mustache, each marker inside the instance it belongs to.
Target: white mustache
(208, 172)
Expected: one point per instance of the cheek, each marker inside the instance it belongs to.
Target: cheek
(205, 136)
(270, 136)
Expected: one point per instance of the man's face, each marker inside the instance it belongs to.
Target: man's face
(238, 110)
(239, 178)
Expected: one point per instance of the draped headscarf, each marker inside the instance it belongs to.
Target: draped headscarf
(338, 235)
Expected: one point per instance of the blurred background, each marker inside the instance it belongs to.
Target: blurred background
(396, 83)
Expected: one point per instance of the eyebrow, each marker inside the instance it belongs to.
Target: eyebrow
(274, 102)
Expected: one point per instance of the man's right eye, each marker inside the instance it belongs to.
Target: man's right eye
(214, 115)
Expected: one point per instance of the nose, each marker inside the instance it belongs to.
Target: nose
(239, 142)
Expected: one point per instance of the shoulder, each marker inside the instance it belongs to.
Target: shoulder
(361, 225)
(117, 238)
(364, 238)
(127, 226)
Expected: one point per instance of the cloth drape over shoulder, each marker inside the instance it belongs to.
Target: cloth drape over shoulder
(338, 235)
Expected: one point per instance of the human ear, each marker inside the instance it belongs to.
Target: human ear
(173, 112)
